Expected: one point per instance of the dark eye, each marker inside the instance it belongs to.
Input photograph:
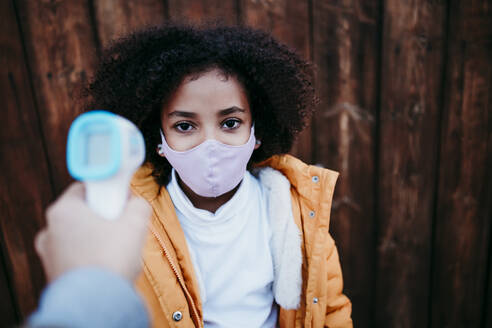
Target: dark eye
(231, 124)
(184, 127)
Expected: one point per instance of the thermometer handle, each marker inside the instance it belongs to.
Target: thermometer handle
(108, 198)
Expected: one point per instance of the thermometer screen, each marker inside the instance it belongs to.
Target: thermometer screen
(98, 149)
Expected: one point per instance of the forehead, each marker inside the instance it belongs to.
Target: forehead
(207, 92)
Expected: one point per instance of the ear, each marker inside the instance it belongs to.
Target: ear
(257, 144)
(159, 150)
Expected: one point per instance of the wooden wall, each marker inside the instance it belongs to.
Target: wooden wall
(405, 117)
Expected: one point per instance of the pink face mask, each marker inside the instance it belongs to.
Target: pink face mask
(211, 168)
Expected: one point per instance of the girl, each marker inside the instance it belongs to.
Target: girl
(239, 233)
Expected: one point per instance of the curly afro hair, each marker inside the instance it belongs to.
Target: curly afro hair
(138, 73)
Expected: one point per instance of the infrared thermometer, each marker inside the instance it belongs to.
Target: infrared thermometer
(103, 151)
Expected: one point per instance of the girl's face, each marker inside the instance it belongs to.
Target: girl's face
(211, 106)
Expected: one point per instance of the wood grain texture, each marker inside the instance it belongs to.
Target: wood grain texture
(203, 10)
(61, 52)
(287, 21)
(487, 309)
(120, 17)
(8, 305)
(463, 222)
(345, 53)
(25, 187)
(405, 117)
(411, 85)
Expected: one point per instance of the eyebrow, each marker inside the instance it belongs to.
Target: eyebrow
(231, 110)
(223, 112)
(182, 113)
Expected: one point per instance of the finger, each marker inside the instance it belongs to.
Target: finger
(137, 211)
(76, 190)
(69, 202)
(40, 242)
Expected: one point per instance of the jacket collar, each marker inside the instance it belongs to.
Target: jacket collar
(278, 174)
(286, 241)
(296, 171)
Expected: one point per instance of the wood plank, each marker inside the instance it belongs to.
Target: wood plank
(345, 52)
(61, 52)
(25, 187)
(411, 85)
(463, 221)
(288, 21)
(8, 305)
(487, 309)
(120, 17)
(203, 10)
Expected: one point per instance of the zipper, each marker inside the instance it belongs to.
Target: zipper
(181, 282)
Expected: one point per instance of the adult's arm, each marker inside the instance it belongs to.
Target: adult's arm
(91, 264)
(90, 297)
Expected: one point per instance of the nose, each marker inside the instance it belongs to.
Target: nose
(210, 132)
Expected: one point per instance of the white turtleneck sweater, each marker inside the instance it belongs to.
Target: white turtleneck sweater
(231, 253)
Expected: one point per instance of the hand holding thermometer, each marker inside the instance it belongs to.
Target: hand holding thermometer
(104, 150)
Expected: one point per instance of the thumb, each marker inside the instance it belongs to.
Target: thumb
(137, 212)
(40, 243)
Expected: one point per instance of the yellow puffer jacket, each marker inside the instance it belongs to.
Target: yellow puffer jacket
(168, 283)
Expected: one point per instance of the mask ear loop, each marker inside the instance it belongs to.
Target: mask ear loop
(257, 142)
(160, 149)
